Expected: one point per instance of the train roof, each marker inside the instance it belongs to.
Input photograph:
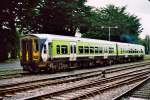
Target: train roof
(51, 37)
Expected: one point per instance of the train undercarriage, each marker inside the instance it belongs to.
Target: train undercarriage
(62, 65)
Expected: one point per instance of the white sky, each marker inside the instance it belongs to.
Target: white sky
(140, 8)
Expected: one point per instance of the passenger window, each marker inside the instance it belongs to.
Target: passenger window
(86, 49)
(131, 51)
(64, 49)
(80, 49)
(91, 49)
(96, 49)
(58, 49)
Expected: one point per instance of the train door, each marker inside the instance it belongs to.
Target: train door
(73, 51)
(105, 52)
(26, 49)
(45, 52)
(50, 50)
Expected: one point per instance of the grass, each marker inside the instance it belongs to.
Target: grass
(147, 57)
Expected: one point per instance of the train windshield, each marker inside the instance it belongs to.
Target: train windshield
(35, 45)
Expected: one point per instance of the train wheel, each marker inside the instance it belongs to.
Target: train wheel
(110, 62)
(34, 69)
(25, 68)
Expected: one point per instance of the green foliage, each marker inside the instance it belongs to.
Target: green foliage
(44, 16)
(58, 17)
(128, 25)
(8, 36)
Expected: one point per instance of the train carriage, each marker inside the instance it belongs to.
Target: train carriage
(54, 52)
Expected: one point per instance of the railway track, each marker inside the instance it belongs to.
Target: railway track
(79, 75)
(94, 77)
(80, 89)
(141, 91)
(6, 74)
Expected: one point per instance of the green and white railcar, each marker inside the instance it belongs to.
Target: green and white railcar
(55, 52)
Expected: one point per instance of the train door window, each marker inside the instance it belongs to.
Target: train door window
(100, 50)
(49, 48)
(121, 50)
(105, 50)
(80, 49)
(86, 49)
(96, 50)
(74, 48)
(58, 49)
(111, 50)
(44, 48)
(91, 49)
(71, 47)
(64, 49)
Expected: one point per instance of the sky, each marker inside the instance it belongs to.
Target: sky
(140, 8)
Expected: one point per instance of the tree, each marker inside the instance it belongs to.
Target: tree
(128, 25)
(8, 36)
(12, 15)
(58, 17)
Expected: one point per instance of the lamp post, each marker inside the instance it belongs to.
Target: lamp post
(109, 29)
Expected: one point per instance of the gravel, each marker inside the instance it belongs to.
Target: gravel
(112, 93)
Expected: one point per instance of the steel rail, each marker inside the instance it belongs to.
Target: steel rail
(87, 85)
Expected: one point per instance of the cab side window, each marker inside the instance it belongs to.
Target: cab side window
(58, 49)
(44, 48)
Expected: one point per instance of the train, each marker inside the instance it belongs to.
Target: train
(47, 52)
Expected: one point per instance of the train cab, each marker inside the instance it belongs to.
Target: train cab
(30, 52)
